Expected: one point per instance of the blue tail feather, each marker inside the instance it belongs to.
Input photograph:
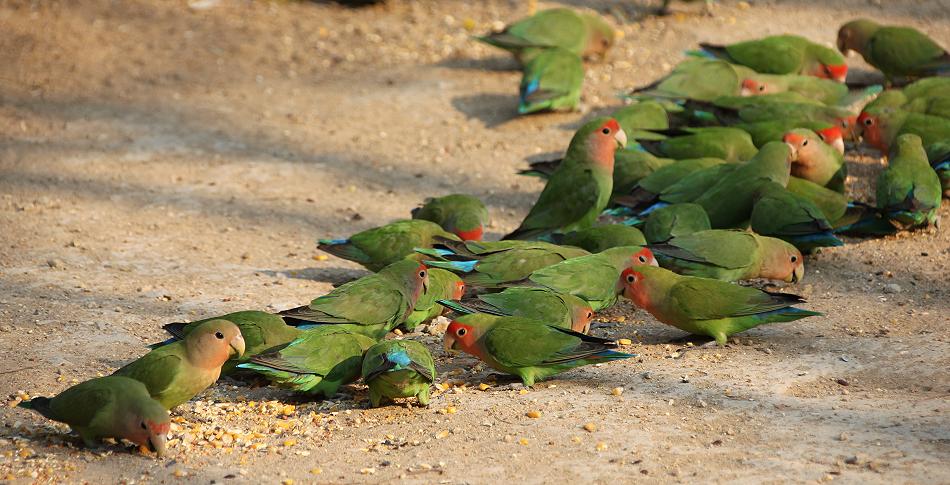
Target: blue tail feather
(460, 266)
(333, 241)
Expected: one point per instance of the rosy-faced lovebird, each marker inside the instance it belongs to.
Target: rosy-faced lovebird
(592, 278)
(816, 161)
(697, 79)
(728, 203)
(895, 51)
(706, 306)
(763, 132)
(824, 91)
(540, 304)
(262, 332)
(791, 217)
(551, 81)
(371, 305)
(443, 284)
(783, 54)
(908, 190)
(730, 255)
(490, 263)
(600, 238)
(381, 246)
(528, 349)
(108, 407)
(175, 373)
(881, 127)
(317, 363)
(580, 187)
(630, 166)
(758, 109)
(729, 144)
(584, 34)
(673, 221)
(463, 215)
(398, 368)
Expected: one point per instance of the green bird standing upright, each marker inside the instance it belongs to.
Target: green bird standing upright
(895, 51)
(262, 332)
(176, 372)
(398, 368)
(581, 187)
(529, 349)
(541, 304)
(706, 306)
(108, 407)
(908, 190)
(372, 305)
(551, 81)
(381, 246)
(462, 215)
(675, 220)
(317, 363)
(783, 54)
(729, 202)
(730, 255)
(584, 34)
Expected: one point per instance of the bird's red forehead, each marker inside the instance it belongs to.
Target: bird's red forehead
(612, 124)
(750, 83)
(838, 71)
(831, 133)
(793, 138)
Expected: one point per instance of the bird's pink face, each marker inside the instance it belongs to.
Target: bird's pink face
(458, 291)
(459, 336)
(643, 257)
(582, 318)
(752, 87)
(633, 287)
(605, 141)
(870, 127)
(148, 433)
(802, 147)
(832, 136)
(835, 72)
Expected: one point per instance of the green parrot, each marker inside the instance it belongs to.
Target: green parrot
(581, 187)
(674, 221)
(706, 306)
(895, 51)
(492, 263)
(381, 246)
(896, 99)
(592, 278)
(730, 255)
(638, 119)
(262, 332)
(629, 167)
(108, 407)
(783, 214)
(540, 304)
(763, 132)
(462, 215)
(317, 363)
(729, 144)
(442, 284)
(528, 349)
(931, 87)
(825, 91)
(372, 305)
(939, 155)
(584, 34)
(755, 110)
(551, 81)
(698, 79)
(815, 160)
(783, 54)
(880, 128)
(909, 189)
(832, 204)
(600, 238)
(176, 372)
(728, 202)
(649, 188)
(398, 368)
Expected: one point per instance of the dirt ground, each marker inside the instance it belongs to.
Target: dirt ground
(162, 161)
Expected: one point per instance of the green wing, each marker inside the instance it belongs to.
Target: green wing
(775, 55)
(526, 343)
(79, 405)
(367, 301)
(550, 28)
(156, 369)
(706, 299)
(571, 195)
(551, 80)
(722, 248)
(902, 51)
(422, 361)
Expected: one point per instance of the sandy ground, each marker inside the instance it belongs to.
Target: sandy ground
(162, 161)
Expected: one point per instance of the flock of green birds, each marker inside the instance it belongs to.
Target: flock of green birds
(729, 168)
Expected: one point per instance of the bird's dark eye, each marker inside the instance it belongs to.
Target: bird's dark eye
(643, 259)
(821, 136)
(606, 131)
(794, 259)
(868, 122)
(805, 143)
(631, 278)
(589, 314)
(422, 274)
(219, 335)
(461, 332)
(761, 88)
(143, 425)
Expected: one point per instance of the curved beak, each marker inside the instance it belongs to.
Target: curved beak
(621, 138)
(792, 140)
(448, 343)
(156, 443)
(838, 145)
(798, 274)
(237, 343)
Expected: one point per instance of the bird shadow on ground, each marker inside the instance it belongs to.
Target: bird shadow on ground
(490, 108)
(335, 275)
(499, 64)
